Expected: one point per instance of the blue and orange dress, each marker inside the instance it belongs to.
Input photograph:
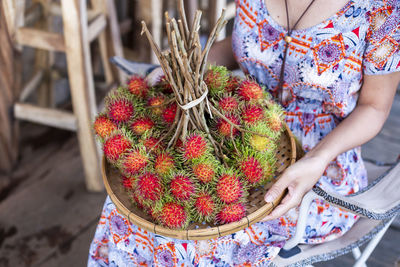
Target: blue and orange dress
(323, 77)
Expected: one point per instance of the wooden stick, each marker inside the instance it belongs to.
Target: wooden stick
(182, 14)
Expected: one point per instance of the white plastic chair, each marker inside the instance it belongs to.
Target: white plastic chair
(378, 205)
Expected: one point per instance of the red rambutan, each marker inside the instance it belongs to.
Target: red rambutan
(152, 143)
(137, 200)
(173, 215)
(252, 169)
(232, 84)
(169, 113)
(149, 186)
(182, 187)
(141, 125)
(179, 143)
(103, 126)
(224, 128)
(120, 110)
(229, 188)
(127, 182)
(228, 104)
(138, 86)
(155, 103)
(252, 114)
(164, 85)
(250, 90)
(204, 204)
(133, 161)
(204, 172)
(115, 146)
(164, 163)
(195, 146)
(231, 213)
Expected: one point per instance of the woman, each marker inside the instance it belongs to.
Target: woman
(340, 77)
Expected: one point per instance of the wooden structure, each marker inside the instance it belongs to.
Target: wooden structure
(9, 85)
(80, 27)
(212, 9)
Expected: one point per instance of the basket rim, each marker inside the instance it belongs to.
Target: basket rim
(197, 234)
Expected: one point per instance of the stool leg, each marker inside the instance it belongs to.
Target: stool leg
(82, 86)
(110, 40)
(44, 61)
(10, 78)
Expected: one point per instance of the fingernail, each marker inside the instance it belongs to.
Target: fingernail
(269, 198)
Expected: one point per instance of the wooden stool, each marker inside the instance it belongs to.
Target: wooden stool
(81, 27)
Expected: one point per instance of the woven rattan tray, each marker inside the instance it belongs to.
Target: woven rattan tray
(256, 207)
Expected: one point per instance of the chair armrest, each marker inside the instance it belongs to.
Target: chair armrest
(380, 200)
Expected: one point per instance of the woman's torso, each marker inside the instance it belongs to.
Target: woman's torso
(323, 72)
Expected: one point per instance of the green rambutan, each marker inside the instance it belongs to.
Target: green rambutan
(262, 139)
(224, 128)
(115, 146)
(173, 215)
(155, 103)
(275, 123)
(205, 206)
(133, 161)
(119, 109)
(216, 79)
(229, 188)
(250, 90)
(164, 163)
(260, 143)
(231, 213)
(149, 187)
(275, 117)
(252, 169)
(252, 114)
(103, 126)
(228, 104)
(169, 113)
(204, 171)
(182, 187)
(138, 86)
(140, 125)
(195, 146)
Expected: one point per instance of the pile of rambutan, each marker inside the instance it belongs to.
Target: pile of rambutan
(199, 175)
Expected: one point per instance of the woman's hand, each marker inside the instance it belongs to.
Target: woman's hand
(298, 179)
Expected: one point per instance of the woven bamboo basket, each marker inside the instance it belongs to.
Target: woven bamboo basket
(256, 207)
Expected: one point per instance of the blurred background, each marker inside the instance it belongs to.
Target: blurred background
(54, 73)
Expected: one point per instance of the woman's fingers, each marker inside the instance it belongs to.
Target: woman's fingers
(276, 190)
(291, 200)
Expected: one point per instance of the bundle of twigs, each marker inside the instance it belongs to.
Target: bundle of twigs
(184, 65)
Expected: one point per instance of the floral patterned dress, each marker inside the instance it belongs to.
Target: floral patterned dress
(323, 76)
